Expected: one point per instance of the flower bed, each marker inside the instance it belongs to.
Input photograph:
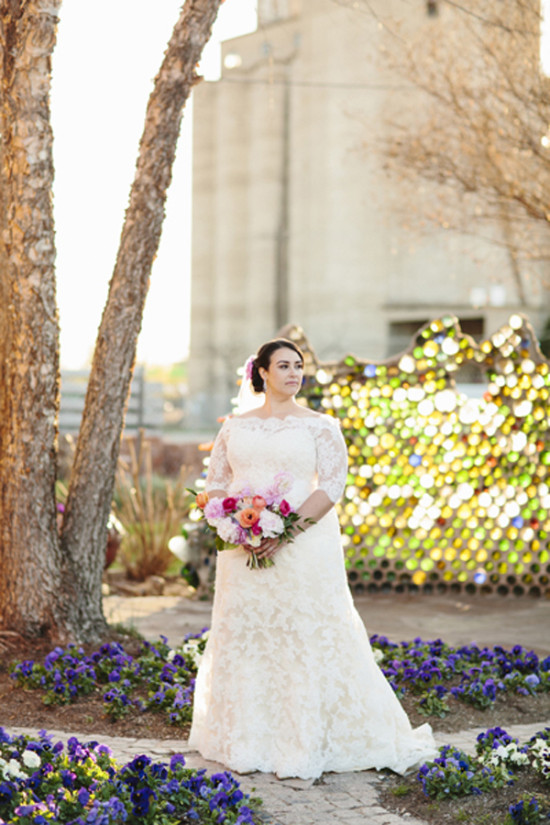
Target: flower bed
(500, 762)
(43, 782)
(432, 678)
(436, 673)
(158, 678)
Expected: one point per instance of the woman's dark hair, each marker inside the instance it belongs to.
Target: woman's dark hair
(263, 359)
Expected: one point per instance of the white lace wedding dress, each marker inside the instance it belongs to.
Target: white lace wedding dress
(288, 683)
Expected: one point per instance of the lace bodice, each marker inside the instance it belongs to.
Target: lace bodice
(250, 451)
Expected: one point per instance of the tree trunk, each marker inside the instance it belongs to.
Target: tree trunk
(30, 556)
(92, 480)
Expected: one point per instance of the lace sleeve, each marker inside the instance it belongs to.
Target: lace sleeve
(332, 460)
(219, 472)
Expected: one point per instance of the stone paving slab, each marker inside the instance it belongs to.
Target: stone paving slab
(346, 798)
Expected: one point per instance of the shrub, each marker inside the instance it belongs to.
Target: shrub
(150, 509)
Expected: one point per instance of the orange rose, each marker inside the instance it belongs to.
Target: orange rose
(259, 502)
(248, 517)
(202, 500)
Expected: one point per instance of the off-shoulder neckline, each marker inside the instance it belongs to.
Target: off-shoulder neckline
(312, 417)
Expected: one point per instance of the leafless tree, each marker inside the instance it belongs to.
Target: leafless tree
(477, 123)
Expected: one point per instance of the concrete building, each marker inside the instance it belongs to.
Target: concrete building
(295, 218)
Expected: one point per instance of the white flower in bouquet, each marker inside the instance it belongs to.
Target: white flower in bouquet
(283, 482)
(272, 525)
(228, 531)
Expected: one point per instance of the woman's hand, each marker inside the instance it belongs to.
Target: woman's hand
(267, 548)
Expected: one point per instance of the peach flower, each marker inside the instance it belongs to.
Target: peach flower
(202, 500)
(248, 517)
(259, 502)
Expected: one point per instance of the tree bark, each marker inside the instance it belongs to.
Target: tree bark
(92, 480)
(30, 556)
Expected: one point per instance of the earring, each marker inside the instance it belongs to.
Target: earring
(265, 385)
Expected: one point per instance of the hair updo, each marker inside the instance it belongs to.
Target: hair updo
(263, 359)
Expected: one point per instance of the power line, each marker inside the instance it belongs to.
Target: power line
(315, 84)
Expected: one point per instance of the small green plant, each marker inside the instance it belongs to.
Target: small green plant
(433, 704)
(401, 790)
(455, 774)
(128, 630)
(525, 812)
(117, 703)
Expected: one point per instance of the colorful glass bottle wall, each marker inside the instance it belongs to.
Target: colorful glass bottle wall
(443, 491)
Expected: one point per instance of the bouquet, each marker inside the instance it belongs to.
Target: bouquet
(245, 519)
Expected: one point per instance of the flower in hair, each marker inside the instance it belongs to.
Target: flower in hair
(249, 366)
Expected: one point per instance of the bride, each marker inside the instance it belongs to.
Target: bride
(288, 683)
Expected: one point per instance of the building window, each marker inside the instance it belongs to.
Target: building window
(475, 327)
(272, 11)
(470, 372)
(432, 9)
(402, 335)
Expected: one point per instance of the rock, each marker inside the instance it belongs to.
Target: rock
(155, 586)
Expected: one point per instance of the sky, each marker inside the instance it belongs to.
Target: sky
(106, 57)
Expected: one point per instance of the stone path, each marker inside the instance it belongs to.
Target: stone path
(459, 619)
(337, 799)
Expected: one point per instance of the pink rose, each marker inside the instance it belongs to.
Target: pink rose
(259, 502)
(229, 504)
(256, 529)
(284, 508)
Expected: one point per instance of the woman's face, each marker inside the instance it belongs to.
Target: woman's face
(285, 373)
